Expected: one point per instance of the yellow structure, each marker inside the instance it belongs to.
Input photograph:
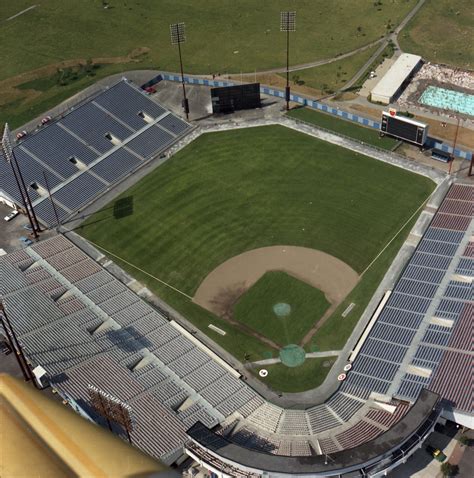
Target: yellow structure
(40, 437)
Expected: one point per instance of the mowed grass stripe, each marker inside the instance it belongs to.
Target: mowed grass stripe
(234, 191)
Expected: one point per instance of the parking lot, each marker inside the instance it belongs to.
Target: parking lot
(11, 231)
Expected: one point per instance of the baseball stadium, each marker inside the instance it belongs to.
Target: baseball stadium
(257, 281)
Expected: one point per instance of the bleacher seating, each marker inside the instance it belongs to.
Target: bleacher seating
(90, 148)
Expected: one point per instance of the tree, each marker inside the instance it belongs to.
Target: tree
(464, 440)
(448, 470)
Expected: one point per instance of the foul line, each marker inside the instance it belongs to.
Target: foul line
(395, 236)
(20, 13)
(141, 270)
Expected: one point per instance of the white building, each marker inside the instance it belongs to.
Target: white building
(395, 79)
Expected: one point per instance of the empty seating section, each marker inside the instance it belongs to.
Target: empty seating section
(70, 305)
(343, 405)
(169, 393)
(107, 135)
(204, 375)
(190, 361)
(79, 191)
(196, 412)
(151, 140)
(328, 445)
(244, 398)
(266, 417)
(87, 284)
(126, 102)
(294, 422)
(173, 124)
(104, 292)
(359, 433)
(91, 124)
(219, 390)
(174, 349)
(321, 418)
(251, 405)
(34, 171)
(49, 214)
(388, 419)
(54, 146)
(424, 308)
(116, 165)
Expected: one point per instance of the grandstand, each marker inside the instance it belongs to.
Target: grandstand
(86, 151)
(77, 320)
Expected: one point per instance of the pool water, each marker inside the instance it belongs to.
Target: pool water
(448, 100)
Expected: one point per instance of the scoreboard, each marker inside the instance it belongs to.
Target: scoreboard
(228, 99)
(404, 128)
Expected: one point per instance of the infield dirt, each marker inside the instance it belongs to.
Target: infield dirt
(219, 291)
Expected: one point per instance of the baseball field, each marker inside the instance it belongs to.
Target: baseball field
(305, 208)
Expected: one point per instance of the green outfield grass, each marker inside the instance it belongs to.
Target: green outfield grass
(256, 307)
(307, 376)
(234, 191)
(347, 128)
(442, 32)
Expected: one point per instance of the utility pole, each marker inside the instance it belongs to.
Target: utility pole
(287, 24)
(51, 199)
(15, 346)
(178, 36)
(10, 159)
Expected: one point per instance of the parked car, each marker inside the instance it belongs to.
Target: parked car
(436, 453)
(27, 227)
(150, 90)
(10, 216)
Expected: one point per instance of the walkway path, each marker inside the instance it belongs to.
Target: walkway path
(385, 41)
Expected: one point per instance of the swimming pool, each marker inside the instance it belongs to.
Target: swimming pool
(448, 100)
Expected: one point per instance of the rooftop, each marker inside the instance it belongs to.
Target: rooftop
(396, 75)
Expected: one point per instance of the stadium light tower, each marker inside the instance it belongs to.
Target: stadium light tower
(10, 158)
(287, 24)
(178, 36)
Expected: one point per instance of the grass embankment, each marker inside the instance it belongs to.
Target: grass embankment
(442, 32)
(134, 36)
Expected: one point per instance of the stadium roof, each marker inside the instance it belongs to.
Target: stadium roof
(395, 76)
(90, 148)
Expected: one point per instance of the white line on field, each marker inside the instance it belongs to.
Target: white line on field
(395, 236)
(141, 270)
(21, 13)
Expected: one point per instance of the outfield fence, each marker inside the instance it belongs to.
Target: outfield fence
(305, 101)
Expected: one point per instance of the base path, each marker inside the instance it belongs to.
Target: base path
(226, 283)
